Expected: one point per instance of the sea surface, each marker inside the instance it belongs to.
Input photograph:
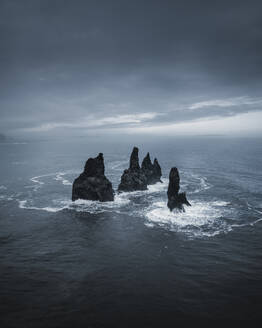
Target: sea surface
(131, 262)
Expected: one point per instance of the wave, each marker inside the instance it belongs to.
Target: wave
(246, 224)
(198, 184)
(197, 215)
(255, 222)
(79, 205)
(201, 219)
(7, 198)
(158, 187)
(193, 183)
(22, 204)
(4, 195)
(202, 185)
(220, 203)
(4, 198)
(84, 205)
(36, 179)
(60, 177)
(154, 188)
(118, 165)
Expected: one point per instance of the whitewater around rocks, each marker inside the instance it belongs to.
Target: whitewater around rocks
(205, 218)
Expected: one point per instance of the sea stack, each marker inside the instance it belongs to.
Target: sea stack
(176, 200)
(92, 184)
(133, 178)
(151, 171)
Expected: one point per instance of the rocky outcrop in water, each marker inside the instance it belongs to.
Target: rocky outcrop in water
(176, 200)
(133, 178)
(92, 184)
(151, 171)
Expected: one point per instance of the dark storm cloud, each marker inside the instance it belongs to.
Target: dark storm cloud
(65, 62)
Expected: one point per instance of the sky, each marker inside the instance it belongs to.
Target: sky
(118, 67)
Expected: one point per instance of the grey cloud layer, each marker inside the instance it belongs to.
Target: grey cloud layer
(65, 61)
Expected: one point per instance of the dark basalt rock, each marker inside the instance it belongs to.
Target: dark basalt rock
(157, 169)
(92, 184)
(133, 178)
(134, 160)
(151, 171)
(175, 199)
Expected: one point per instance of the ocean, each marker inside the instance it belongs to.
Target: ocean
(131, 262)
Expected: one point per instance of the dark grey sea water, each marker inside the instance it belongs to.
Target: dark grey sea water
(130, 263)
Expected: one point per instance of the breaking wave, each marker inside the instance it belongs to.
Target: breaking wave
(119, 165)
(37, 179)
(24, 204)
(202, 219)
(193, 183)
(79, 205)
(155, 188)
(60, 177)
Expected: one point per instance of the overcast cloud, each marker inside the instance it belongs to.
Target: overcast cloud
(120, 66)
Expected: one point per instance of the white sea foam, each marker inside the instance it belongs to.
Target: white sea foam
(246, 224)
(220, 203)
(255, 222)
(36, 179)
(211, 234)
(257, 211)
(79, 205)
(194, 182)
(24, 205)
(197, 215)
(202, 184)
(3, 187)
(60, 177)
(5, 197)
(249, 205)
(158, 187)
(202, 219)
(118, 165)
(149, 225)
(82, 205)
(154, 188)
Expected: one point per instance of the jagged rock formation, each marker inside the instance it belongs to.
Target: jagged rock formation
(157, 169)
(133, 178)
(175, 199)
(151, 171)
(92, 184)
